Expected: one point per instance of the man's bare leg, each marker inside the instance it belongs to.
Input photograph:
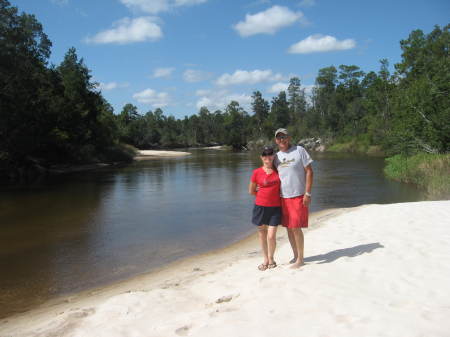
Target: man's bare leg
(293, 244)
(299, 242)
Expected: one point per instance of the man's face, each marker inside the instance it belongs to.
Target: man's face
(282, 141)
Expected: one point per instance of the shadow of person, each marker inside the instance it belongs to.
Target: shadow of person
(346, 252)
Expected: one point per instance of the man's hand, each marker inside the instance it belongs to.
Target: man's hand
(306, 200)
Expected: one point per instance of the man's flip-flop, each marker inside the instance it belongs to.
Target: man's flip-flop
(263, 266)
(272, 265)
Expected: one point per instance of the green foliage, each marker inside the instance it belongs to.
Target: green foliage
(260, 109)
(428, 171)
(279, 111)
(48, 115)
(421, 104)
(235, 125)
(359, 144)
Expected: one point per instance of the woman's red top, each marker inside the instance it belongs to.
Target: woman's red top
(268, 193)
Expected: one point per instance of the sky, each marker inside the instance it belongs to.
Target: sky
(180, 55)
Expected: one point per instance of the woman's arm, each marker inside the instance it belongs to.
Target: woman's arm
(252, 188)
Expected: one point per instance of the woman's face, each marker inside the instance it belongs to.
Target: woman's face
(267, 160)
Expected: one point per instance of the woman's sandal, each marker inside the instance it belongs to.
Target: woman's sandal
(263, 266)
(272, 265)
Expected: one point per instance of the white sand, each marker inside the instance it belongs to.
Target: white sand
(147, 154)
(376, 270)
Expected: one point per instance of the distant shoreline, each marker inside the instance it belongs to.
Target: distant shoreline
(148, 154)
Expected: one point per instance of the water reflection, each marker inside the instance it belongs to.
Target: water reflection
(44, 239)
(90, 229)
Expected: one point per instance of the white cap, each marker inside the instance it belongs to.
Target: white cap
(281, 130)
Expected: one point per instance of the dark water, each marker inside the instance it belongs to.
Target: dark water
(85, 230)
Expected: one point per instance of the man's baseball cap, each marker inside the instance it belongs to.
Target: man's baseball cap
(281, 130)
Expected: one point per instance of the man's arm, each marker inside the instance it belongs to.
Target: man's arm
(309, 180)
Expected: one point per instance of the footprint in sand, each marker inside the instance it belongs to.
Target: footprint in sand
(183, 331)
(224, 299)
(218, 311)
(82, 313)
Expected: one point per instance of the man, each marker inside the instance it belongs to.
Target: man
(296, 175)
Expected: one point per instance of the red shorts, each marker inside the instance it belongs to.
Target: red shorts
(294, 213)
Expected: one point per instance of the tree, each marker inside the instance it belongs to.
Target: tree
(24, 80)
(420, 103)
(79, 116)
(279, 111)
(260, 108)
(235, 127)
(297, 101)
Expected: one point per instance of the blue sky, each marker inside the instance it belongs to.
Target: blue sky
(183, 54)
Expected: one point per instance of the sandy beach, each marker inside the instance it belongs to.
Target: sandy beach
(374, 270)
(149, 154)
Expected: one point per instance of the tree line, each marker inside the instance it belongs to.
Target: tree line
(406, 111)
(52, 114)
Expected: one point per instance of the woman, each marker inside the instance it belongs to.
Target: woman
(265, 185)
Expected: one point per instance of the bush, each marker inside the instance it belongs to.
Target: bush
(428, 171)
(118, 153)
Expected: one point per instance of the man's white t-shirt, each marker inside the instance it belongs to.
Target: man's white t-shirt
(291, 169)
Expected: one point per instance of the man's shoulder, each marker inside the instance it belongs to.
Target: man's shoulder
(301, 150)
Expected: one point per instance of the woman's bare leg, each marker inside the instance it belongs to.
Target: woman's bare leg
(271, 242)
(262, 233)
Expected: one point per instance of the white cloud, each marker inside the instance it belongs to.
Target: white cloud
(150, 96)
(248, 77)
(307, 3)
(129, 30)
(267, 22)
(320, 43)
(188, 2)
(219, 99)
(308, 89)
(157, 6)
(191, 75)
(111, 85)
(277, 87)
(163, 72)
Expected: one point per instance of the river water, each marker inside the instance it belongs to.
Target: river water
(80, 231)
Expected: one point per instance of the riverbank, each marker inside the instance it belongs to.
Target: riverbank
(430, 172)
(356, 146)
(362, 277)
(149, 154)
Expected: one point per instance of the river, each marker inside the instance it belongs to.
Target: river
(80, 231)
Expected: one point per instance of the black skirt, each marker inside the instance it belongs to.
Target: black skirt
(263, 215)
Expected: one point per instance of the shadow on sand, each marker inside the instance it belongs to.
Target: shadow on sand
(346, 252)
